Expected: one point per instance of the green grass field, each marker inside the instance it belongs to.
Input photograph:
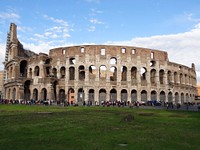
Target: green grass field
(97, 128)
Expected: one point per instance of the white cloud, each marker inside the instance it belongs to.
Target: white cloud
(91, 28)
(95, 21)
(59, 21)
(10, 16)
(183, 48)
(2, 54)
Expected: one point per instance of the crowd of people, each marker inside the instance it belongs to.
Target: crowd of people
(132, 104)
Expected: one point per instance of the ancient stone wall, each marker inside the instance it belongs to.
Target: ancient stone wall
(99, 73)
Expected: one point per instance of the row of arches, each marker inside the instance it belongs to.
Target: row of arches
(104, 95)
(113, 73)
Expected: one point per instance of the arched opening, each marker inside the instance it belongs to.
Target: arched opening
(62, 72)
(161, 76)
(124, 95)
(102, 95)
(30, 73)
(92, 72)
(143, 72)
(153, 95)
(91, 96)
(162, 96)
(71, 73)
(182, 98)
(81, 95)
(113, 61)
(62, 95)
(54, 95)
(71, 96)
(14, 94)
(81, 71)
(27, 90)
(23, 68)
(169, 77)
(35, 94)
(72, 61)
(175, 77)
(170, 98)
(54, 72)
(37, 71)
(102, 72)
(176, 98)
(181, 78)
(133, 96)
(144, 96)
(113, 95)
(187, 98)
(124, 73)
(44, 94)
(113, 73)
(153, 77)
(134, 75)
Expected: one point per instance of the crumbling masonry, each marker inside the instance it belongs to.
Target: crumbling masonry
(95, 73)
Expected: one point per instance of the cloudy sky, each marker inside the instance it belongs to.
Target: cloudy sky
(169, 25)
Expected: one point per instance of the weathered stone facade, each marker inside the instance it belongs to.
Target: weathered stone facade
(96, 73)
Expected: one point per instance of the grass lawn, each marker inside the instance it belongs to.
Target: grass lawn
(97, 128)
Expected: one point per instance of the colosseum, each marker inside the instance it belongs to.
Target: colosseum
(95, 73)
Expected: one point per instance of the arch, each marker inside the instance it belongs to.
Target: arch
(161, 76)
(134, 75)
(169, 77)
(133, 96)
(170, 97)
(35, 94)
(113, 73)
(102, 72)
(153, 76)
(175, 77)
(54, 85)
(81, 71)
(91, 95)
(113, 61)
(81, 95)
(143, 75)
(23, 68)
(37, 71)
(92, 72)
(144, 95)
(176, 98)
(14, 94)
(113, 95)
(71, 73)
(181, 78)
(30, 72)
(71, 96)
(162, 96)
(27, 90)
(54, 72)
(124, 73)
(62, 72)
(47, 61)
(153, 95)
(102, 95)
(124, 95)
(187, 97)
(44, 94)
(62, 95)
(72, 61)
(182, 98)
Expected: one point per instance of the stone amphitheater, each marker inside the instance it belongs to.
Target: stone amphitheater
(95, 73)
